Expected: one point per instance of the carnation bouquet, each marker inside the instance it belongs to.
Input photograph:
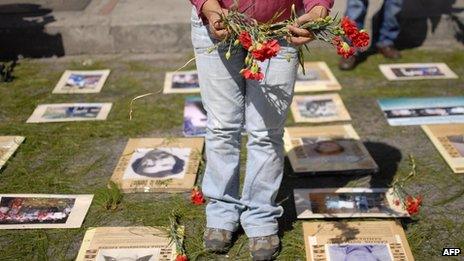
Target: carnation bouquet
(261, 40)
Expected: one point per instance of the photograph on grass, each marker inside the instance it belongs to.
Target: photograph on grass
(127, 243)
(319, 108)
(194, 117)
(23, 211)
(82, 81)
(316, 78)
(417, 71)
(70, 112)
(347, 203)
(356, 240)
(423, 111)
(181, 82)
(327, 149)
(159, 165)
(8, 146)
(449, 141)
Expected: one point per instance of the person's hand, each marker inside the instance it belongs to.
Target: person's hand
(212, 11)
(303, 36)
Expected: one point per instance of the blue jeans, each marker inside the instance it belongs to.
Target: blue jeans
(389, 27)
(262, 106)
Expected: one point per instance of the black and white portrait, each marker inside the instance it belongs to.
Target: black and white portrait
(317, 108)
(128, 254)
(158, 163)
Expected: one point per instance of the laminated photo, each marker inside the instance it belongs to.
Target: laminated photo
(327, 149)
(127, 243)
(317, 78)
(319, 108)
(423, 111)
(159, 165)
(356, 241)
(347, 203)
(70, 112)
(23, 211)
(417, 71)
(449, 141)
(181, 82)
(194, 117)
(8, 146)
(82, 81)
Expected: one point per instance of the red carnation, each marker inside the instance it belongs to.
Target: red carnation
(349, 27)
(182, 258)
(250, 75)
(197, 196)
(345, 50)
(245, 39)
(337, 40)
(267, 50)
(361, 39)
(413, 204)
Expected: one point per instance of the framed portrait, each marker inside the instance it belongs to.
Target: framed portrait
(317, 78)
(319, 108)
(8, 146)
(417, 71)
(82, 81)
(181, 82)
(449, 141)
(356, 240)
(194, 117)
(423, 111)
(127, 243)
(159, 165)
(24, 211)
(327, 150)
(347, 203)
(64, 112)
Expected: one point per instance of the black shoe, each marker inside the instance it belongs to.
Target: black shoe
(348, 64)
(389, 52)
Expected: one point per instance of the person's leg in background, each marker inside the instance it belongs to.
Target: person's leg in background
(389, 29)
(356, 10)
(222, 91)
(267, 104)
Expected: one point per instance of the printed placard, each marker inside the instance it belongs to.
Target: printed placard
(423, 111)
(317, 78)
(347, 203)
(127, 243)
(181, 82)
(356, 240)
(417, 71)
(23, 211)
(64, 112)
(159, 165)
(449, 141)
(8, 146)
(319, 108)
(82, 81)
(327, 149)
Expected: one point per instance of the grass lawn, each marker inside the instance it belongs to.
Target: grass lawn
(80, 157)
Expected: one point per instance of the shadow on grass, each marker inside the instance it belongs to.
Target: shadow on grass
(386, 157)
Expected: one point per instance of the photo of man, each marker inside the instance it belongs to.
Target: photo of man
(158, 163)
(185, 81)
(417, 71)
(82, 81)
(357, 252)
(317, 108)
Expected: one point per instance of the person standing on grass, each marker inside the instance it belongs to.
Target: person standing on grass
(389, 29)
(232, 102)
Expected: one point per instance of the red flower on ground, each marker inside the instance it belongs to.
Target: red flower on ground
(197, 196)
(182, 258)
(267, 50)
(413, 204)
(245, 39)
(361, 39)
(345, 50)
(250, 75)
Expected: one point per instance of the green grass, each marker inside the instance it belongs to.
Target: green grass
(80, 157)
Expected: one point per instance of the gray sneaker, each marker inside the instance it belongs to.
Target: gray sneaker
(217, 240)
(264, 248)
